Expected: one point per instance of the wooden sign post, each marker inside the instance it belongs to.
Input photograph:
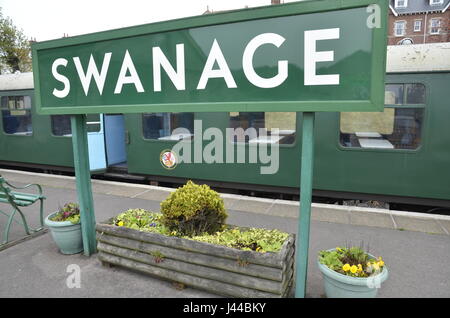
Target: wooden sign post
(309, 56)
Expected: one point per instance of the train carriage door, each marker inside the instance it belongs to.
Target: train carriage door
(96, 142)
(115, 141)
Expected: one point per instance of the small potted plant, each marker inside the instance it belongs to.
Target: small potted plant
(66, 228)
(350, 272)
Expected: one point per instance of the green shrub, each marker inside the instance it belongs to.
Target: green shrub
(193, 210)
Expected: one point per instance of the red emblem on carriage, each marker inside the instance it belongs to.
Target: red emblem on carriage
(168, 159)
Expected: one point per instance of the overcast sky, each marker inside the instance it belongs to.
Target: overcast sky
(50, 19)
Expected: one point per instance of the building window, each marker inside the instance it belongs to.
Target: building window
(401, 3)
(436, 2)
(260, 127)
(435, 25)
(168, 126)
(417, 25)
(16, 114)
(61, 124)
(406, 41)
(399, 28)
(399, 126)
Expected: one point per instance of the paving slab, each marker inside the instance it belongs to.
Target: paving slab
(327, 213)
(152, 194)
(261, 206)
(428, 225)
(372, 219)
(445, 224)
(117, 190)
(284, 210)
(229, 202)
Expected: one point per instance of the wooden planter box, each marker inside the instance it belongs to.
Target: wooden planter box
(217, 269)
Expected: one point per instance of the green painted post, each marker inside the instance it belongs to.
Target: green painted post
(306, 177)
(83, 180)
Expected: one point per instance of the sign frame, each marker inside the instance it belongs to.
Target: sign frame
(378, 65)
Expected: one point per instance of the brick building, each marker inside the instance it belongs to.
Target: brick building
(418, 21)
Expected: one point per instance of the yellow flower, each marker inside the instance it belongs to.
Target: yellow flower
(376, 266)
(353, 269)
(359, 268)
(338, 249)
(120, 223)
(346, 267)
(381, 263)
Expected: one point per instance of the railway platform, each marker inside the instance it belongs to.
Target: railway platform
(415, 246)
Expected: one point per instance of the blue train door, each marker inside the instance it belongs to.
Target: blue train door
(106, 142)
(115, 141)
(96, 142)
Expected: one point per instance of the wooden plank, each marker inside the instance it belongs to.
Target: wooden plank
(195, 270)
(196, 258)
(198, 282)
(268, 259)
(289, 257)
(287, 245)
(289, 264)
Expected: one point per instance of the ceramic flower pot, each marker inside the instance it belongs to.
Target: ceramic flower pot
(338, 285)
(66, 235)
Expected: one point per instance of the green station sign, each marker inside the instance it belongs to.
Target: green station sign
(322, 55)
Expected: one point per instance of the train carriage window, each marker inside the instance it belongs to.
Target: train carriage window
(415, 94)
(93, 123)
(399, 126)
(16, 115)
(260, 127)
(393, 94)
(61, 124)
(168, 126)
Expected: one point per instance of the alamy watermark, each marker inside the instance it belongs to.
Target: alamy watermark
(374, 19)
(374, 281)
(211, 146)
(74, 278)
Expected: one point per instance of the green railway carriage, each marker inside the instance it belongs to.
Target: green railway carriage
(399, 155)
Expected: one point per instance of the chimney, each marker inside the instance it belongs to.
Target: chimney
(275, 1)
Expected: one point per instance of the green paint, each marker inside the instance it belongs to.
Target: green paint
(306, 178)
(83, 180)
(360, 88)
(46, 148)
(421, 173)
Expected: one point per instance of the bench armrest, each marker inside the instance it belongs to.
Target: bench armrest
(39, 188)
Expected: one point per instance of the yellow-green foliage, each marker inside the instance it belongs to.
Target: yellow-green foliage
(193, 209)
(259, 240)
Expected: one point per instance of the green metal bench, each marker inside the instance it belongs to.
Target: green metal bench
(16, 201)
